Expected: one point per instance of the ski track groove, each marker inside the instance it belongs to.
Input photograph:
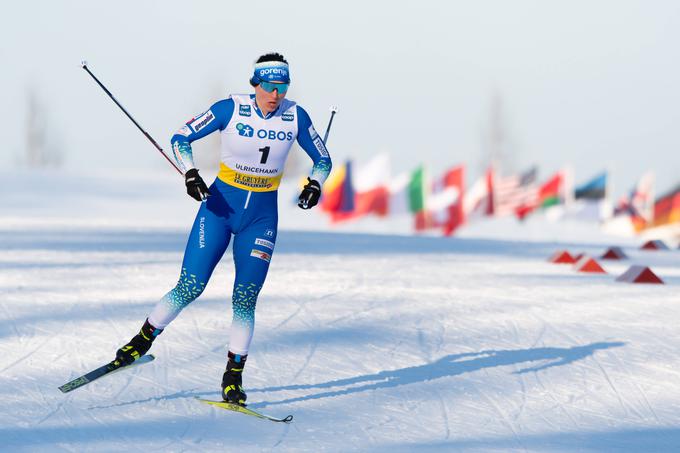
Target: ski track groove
(50, 336)
(541, 333)
(301, 306)
(10, 317)
(291, 316)
(366, 429)
(445, 415)
(29, 354)
(422, 345)
(520, 378)
(180, 436)
(264, 364)
(396, 346)
(503, 415)
(96, 420)
(369, 426)
(282, 437)
(197, 330)
(127, 382)
(627, 408)
(308, 359)
(625, 367)
(47, 404)
(557, 402)
(316, 323)
(109, 321)
(69, 448)
(423, 424)
(51, 413)
(548, 326)
(356, 313)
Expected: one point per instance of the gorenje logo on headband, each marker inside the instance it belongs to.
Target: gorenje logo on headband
(273, 71)
(270, 71)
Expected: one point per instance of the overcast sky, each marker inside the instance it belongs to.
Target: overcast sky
(594, 84)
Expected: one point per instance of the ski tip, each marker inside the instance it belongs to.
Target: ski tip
(102, 371)
(244, 410)
(74, 384)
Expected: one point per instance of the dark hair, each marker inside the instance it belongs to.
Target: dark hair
(273, 56)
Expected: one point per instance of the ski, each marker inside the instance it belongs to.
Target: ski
(244, 410)
(109, 368)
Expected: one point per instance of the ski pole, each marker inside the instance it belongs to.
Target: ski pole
(334, 110)
(146, 134)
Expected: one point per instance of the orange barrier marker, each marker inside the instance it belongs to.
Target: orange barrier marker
(589, 265)
(562, 257)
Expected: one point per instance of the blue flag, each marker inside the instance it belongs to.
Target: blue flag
(595, 189)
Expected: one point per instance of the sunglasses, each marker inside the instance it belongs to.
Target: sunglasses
(281, 88)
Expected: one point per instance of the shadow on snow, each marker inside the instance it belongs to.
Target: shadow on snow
(450, 365)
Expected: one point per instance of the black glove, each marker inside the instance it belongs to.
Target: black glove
(196, 188)
(310, 194)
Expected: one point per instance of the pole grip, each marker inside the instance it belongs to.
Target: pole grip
(334, 110)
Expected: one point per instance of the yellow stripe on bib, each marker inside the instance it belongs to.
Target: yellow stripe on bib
(246, 181)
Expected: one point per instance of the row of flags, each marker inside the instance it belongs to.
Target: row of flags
(445, 203)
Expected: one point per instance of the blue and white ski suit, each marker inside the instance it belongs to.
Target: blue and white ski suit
(243, 202)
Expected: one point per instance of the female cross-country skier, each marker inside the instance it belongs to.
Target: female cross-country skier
(257, 132)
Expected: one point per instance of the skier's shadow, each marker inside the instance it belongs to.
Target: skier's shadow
(450, 365)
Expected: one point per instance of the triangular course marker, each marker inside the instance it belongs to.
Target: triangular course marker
(589, 265)
(562, 257)
(614, 253)
(639, 274)
(655, 244)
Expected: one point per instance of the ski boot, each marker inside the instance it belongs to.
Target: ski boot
(232, 389)
(138, 346)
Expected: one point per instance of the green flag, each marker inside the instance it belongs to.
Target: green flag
(416, 190)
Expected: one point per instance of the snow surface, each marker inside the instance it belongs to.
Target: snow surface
(373, 342)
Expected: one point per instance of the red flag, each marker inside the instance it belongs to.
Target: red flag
(549, 194)
(455, 178)
(444, 205)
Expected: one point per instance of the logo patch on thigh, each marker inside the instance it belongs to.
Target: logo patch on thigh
(260, 254)
(264, 243)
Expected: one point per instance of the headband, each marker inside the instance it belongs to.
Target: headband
(270, 71)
